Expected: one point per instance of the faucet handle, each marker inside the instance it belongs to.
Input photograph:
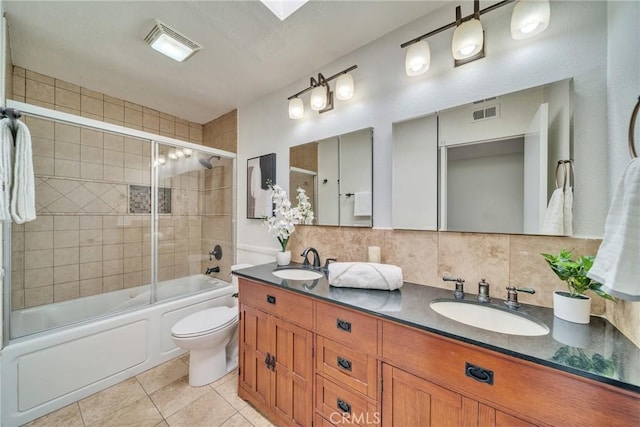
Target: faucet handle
(328, 261)
(459, 292)
(512, 296)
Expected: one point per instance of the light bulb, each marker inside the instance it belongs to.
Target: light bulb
(179, 153)
(529, 18)
(418, 59)
(296, 108)
(318, 98)
(468, 39)
(187, 152)
(344, 87)
(172, 155)
(161, 160)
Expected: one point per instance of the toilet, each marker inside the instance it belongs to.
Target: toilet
(211, 336)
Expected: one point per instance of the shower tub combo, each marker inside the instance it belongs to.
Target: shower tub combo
(53, 369)
(141, 246)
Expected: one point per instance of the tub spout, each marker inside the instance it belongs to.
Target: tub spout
(212, 270)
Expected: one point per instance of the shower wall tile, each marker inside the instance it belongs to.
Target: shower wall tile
(91, 106)
(90, 270)
(66, 222)
(67, 99)
(66, 273)
(90, 222)
(112, 252)
(17, 299)
(42, 165)
(66, 133)
(113, 142)
(38, 296)
(35, 240)
(92, 171)
(39, 128)
(66, 291)
(90, 237)
(91, 253)
(112, 283)
(38, 259)
(91, 93)
(38, 277)
(115, 101)
(66, 168)
(66, 256)
(42, 147)
(92, 138)
(90, 286)
(40, 92)
(130, 280)
(66, 239)
(41, 223)
(66, 150)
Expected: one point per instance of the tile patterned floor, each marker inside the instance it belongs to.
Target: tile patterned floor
(160, 396)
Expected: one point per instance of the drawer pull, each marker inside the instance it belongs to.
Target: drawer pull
(344, 325)
(271, 299)
(344, 363)
(478, 373)
(344, 406)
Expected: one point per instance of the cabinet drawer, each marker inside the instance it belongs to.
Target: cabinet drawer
(286, 305)
(342, 406)
(350, 367)
(347, 327)
(514, 380)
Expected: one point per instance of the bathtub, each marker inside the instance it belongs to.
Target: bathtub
(74, 358)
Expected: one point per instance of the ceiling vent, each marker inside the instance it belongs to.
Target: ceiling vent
(170, 42)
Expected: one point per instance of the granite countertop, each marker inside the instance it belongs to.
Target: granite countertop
(597, 351)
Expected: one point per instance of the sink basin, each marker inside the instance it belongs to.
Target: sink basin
(297, 274)
(489, 317)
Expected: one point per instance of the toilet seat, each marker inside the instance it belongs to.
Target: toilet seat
(205, 321)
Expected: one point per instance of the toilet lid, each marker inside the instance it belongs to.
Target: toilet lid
(205, 321)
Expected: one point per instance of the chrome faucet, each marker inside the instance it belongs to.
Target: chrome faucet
(459, 292)
(316, 257)
(483, 291)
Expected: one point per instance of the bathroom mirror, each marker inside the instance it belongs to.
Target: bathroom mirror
(488, 166)
(337, 175)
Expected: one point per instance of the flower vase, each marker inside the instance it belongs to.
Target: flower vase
(283, 258)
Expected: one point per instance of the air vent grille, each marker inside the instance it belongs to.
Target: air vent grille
(160, 28)
(486, 113)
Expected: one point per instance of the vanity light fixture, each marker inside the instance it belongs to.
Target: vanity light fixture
(321, 99)
(170, 42)
(172, 155)
(529, 17)
(187, 152)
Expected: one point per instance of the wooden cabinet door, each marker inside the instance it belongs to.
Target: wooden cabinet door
(255, 344)
(292, 382)
(491, 417)
(411, 401)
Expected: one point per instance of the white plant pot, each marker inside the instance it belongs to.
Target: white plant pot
(283, 258)
(573, 309)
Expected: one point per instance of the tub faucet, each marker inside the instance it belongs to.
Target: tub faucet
(212, 270)
(316, 257)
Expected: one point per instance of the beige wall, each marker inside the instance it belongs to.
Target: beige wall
(502, 259)
(222, 132)
(85, 241)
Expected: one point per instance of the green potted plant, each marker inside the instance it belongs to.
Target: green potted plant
(574, 305)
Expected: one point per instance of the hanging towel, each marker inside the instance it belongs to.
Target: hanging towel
(617, 264)
(554, 216)
(23, 203)
(567, 219)
(6, 145)
(362, 204)
(365, 275)
(256, 178)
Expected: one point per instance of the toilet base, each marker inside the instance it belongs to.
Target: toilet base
(206, 366)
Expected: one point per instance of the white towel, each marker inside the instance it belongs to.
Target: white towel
(567, 219)
(23, 203)
(365, 275)
(6, 145)
(362, 204)
(256, 181)
(372, 300)
(617, 264)
(554, 216)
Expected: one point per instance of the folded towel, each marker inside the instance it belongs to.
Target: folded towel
(369, 299)
(6, 144)
(554, 216)
(23, 203)
(362, 204)
(366, 275)
(617, 264)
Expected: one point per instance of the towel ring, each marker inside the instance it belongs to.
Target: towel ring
(632, 125)
(566, 173)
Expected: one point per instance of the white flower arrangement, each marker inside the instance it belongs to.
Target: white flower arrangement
(285, 218)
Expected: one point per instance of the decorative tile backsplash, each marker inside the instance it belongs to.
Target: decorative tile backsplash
(140, 199)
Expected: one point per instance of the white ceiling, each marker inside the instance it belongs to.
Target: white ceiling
(247, 51)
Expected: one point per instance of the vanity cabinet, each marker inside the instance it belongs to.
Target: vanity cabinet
(471, 383)
(306, 361)
(347, 378)
(275, 358)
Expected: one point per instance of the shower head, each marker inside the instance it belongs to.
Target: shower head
(207, 162)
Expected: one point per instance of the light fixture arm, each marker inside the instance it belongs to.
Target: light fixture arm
(322, 81)
(459, 20)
